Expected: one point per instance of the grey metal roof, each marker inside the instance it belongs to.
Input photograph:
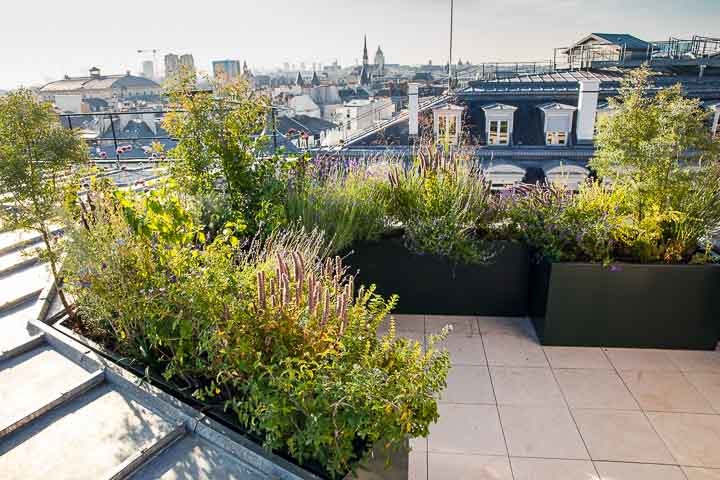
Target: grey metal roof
(629, 41)
(95, 83)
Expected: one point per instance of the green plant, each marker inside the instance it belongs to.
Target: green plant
(563, 226)
(348, 205)
(657, 146)
(275, 332)
(220, 149)
(38, 159)
(442, 203)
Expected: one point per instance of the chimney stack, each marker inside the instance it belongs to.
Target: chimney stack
(413, 108)
(587, 110)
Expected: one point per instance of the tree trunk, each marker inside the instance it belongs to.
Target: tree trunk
(52, 259)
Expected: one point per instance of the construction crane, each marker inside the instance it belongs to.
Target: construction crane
(154, 53)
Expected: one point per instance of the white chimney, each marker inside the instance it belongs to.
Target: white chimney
(587, 110)
(413, 107)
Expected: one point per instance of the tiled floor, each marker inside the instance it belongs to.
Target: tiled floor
(514, 410)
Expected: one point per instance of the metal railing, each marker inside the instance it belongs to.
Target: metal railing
(115, 138)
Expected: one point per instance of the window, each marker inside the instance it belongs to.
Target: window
(499, 133)
(447, 127)
(556, 138)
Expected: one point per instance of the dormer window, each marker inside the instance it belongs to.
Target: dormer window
(558, 123)
(499, 123)
(448, 124)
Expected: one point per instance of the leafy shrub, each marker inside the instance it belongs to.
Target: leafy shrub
(657, 147)
(347, 204)
(275, 333)
(442, 204)
(563, 226)
(221, 150)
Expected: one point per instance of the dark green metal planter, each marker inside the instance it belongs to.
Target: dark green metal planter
(626, 305)
(430, 284)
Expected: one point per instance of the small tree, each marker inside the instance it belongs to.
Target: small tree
(37, 155)
(220, 146)
(658, 145)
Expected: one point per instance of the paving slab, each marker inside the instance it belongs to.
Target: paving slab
(31, 380)
(14, 328)
(192, 458)
(85, 438)
(24, 283)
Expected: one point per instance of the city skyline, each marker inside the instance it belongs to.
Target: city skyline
(60, 40)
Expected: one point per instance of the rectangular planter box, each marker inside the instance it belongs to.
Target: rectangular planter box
(626, 305)
(372, 467)
(430, 284)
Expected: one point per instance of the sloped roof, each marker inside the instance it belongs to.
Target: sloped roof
(626, 39)
(98, 83)
(305, 123)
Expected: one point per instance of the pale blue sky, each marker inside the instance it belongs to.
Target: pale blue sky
(40, 41)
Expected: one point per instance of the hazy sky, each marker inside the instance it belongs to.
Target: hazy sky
(41, 41)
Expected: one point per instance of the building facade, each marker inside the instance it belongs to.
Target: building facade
(105, 87)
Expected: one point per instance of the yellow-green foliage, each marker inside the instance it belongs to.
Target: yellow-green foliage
(274, 332)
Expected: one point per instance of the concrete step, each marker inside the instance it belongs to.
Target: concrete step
(33, 380)
(16, 239)
(14, 328)
(17, 260)
(23, 285)
(90, 437)
(196, 459)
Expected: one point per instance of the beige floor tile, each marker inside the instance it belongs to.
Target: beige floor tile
(405, 323)
(640, 359)
(622, 436)
(595, 389)
(464, 350)
(418, 444)
(665, 392)
(638, 471)
(693, 439)
(521, 327)
(546, 469)
(696, 361)
(577, 357)
(694, 473)
(467, 429)
(443, 466)
(460, 325)
(417, 465)
(526, 386)
(505, 350)
(468, 384)
(708, 384)
(541, 432)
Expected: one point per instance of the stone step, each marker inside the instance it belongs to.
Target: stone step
(13, 261)
(23, 285)
(32, 380)
(87, 438)
(14, 328)
(197, 459)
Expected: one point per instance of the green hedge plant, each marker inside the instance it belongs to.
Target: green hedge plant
(275, 332)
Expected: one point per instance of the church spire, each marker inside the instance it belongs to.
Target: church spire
(366, 59)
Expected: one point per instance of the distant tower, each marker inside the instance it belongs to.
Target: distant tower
(379, 62)
(172, 64)
(366, 58)
(315, 80)
(299, 80)
(148, 69)
(365, 76)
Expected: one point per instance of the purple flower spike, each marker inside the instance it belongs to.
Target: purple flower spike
(615, 268)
